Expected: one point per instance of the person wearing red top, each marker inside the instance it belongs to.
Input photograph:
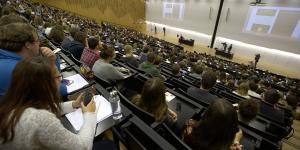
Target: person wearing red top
(91, 54)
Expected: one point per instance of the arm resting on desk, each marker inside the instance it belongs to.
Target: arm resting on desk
(53, 135)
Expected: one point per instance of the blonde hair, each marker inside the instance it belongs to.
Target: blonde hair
(243, 89)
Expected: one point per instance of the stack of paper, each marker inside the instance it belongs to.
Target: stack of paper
(103, 109)
(78, 83)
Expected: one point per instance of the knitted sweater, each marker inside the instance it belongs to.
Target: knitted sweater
(41, 129)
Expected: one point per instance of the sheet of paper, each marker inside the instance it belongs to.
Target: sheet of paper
(103, 109)
(79, 82)
(169, 96)
(63, 66)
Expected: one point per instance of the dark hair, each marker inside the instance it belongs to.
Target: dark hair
(292, 101)
(146, 49)
(216, 129)
(153, 99)
(93, 43)
(33, 85)
(157, 60)
(73, 31)
(208, 80)
(107, 53)
(57, 34)
(248, 109)
(80, 37)
(198, 69)
(271, 96)
(13, 36)
(151, 57)
(253, 86)
(175, 69)
(12, 18)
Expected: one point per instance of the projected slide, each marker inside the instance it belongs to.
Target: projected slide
(173, 11)
(277, 21)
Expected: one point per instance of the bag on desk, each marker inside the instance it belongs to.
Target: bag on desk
(86, 71)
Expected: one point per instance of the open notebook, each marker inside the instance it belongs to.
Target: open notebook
(78, 82)
(103, 109)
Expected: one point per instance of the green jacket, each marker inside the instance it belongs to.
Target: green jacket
(149, 69)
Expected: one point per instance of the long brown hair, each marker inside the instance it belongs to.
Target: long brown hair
(153, 98)
(33, 85)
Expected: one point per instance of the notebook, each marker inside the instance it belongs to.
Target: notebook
(78, 83)
(103, 109)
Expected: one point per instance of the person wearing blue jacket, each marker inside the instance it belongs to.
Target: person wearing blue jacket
(18, 41)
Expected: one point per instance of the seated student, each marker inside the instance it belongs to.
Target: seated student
(13, 50)
(217, 130)
(252, 90)
(207, 83)
(103, 69)
(12, 18)
(242, 90)
(68, 39)
(153, 100)
(129, 58)
(247, 110)
(76, 47)
(176, 70)
(56, 34)
(149, 67)
(268, 105)
(30, 108)
(144, 54)
(292, 106)
(92, 54)
(196, 71)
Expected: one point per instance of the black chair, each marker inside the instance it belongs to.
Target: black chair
(136, 135)
(103, 82)
(164, 131)
(184, 93)
(145, 116)
(76, 61)
(179, 84)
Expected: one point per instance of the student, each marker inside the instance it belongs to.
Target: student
(153, 100)
(76, 47)
(13, 50)
(129, 58)
(207, 83)
(149, 67)
(103, 69)
(242, 90)
(91, 54)
(247, 110)
(217, 130)
(30, 108)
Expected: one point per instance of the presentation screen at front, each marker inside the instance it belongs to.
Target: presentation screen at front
(274, 24)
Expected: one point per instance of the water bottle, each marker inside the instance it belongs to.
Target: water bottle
(115, 105)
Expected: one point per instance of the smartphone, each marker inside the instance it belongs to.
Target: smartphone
(67, 82)
(87, 98)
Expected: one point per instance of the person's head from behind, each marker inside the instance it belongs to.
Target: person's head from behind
(57, 34)
(243, 89)
(128, 49)
(176, 69)
(12, 18)
(80, 37)
(151, 58)
(147, 49)
(209, 79)
(35, 83)
(198, 69)
(73, 31)
(248, 110)
(108, 54)
(157, 60)
(216, 129)
(94, 43)
(253, 86)
(292, 101)
(19, 38)
(153, 98)
(271, 96)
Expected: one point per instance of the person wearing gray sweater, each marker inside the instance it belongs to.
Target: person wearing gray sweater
(31, 107)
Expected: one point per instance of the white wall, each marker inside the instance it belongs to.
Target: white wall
(275, 47)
